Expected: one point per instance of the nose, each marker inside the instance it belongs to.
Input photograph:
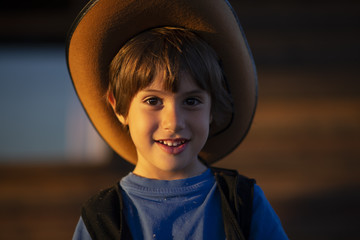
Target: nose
(173, 119)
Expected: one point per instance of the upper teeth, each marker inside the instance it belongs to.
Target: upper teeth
(172, 143)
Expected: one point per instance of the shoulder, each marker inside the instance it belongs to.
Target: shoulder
(102, 211)
(103, 202)
(104, 196)
(265, 223)
(236, 191)
(262, 207)
(260, 203)
(230, 173)
(231, 179)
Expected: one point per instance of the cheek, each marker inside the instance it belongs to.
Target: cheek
(201, 122)
(141, 126)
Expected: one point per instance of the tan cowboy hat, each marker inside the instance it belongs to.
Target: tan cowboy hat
(102, 28)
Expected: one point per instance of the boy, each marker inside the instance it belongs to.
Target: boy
(168, 110)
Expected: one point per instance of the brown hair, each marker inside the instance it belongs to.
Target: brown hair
(169, 50)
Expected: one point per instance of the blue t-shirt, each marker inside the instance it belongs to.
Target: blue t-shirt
(185, 209)
(177, 209)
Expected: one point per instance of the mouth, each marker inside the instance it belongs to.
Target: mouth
(173, 143)
(173, 146)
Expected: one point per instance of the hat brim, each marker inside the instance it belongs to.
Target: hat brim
(103, 27)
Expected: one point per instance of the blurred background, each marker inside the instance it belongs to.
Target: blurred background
(303, 148)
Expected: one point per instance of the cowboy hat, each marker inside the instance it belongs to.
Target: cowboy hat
(102, 28)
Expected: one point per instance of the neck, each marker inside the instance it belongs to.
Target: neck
(195, 169)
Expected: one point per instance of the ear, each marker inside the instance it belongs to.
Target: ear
(112, 101)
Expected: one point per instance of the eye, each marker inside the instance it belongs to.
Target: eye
(153, 101)
(192, 101)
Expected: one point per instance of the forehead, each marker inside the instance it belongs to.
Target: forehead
(185, 83)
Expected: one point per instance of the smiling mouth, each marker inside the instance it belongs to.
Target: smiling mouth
(173, 143)
(173, 146)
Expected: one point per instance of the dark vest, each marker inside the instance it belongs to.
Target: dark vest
(104, 218)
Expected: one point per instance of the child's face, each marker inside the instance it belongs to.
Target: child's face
(169, 129)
